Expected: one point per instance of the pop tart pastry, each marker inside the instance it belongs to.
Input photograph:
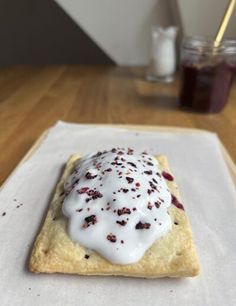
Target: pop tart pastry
(116, 213)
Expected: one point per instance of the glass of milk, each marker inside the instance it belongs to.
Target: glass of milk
(162, 63)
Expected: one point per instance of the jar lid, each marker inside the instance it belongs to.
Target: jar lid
(205, 45)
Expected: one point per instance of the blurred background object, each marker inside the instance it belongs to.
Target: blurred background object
(207, 73)
(208, 68)
(98, 32)
(162, 63)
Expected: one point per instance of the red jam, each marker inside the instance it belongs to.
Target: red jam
(206, 88)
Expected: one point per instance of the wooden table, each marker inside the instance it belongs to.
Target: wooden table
(34, 98)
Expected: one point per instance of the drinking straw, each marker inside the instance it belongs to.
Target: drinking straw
(224, 22)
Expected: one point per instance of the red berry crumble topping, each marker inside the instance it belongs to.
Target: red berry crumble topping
(90, 220)
(120, 197)
(176, 202)
(141, 225)
(111, 238)
(167, 176)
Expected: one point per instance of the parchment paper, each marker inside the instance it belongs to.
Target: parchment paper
(208, 194)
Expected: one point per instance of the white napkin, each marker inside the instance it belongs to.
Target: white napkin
(208, 194)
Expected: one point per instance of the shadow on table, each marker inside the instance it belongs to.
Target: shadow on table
(156, 94)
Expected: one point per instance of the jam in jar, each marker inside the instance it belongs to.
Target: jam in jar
(207, 73)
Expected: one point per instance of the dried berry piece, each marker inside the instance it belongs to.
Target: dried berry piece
(123, 211)
(148, 172)
(95, 194)
(155, 181)
(83, 190)
(116, 164)
(89, 176)
(90, 220)
(149, 206)
(157, 204)
(122, 222)
(176, 202)
(108, 170)
(79, 210)
(141, 225)
(167, 176)
(98, 154)
(129, 179)
(111, 237)
(132, 164)
(152, 185)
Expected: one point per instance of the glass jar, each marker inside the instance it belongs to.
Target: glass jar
(162, 63)
(206, 73)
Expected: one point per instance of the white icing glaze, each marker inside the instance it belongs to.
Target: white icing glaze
(112, 186)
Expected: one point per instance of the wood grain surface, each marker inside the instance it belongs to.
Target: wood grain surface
(34, 98)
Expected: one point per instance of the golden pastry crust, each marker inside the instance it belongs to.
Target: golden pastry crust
(173, 255)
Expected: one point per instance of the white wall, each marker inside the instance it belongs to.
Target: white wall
(203, 17)
(122, 27)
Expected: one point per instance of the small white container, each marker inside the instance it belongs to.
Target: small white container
(162, 64)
